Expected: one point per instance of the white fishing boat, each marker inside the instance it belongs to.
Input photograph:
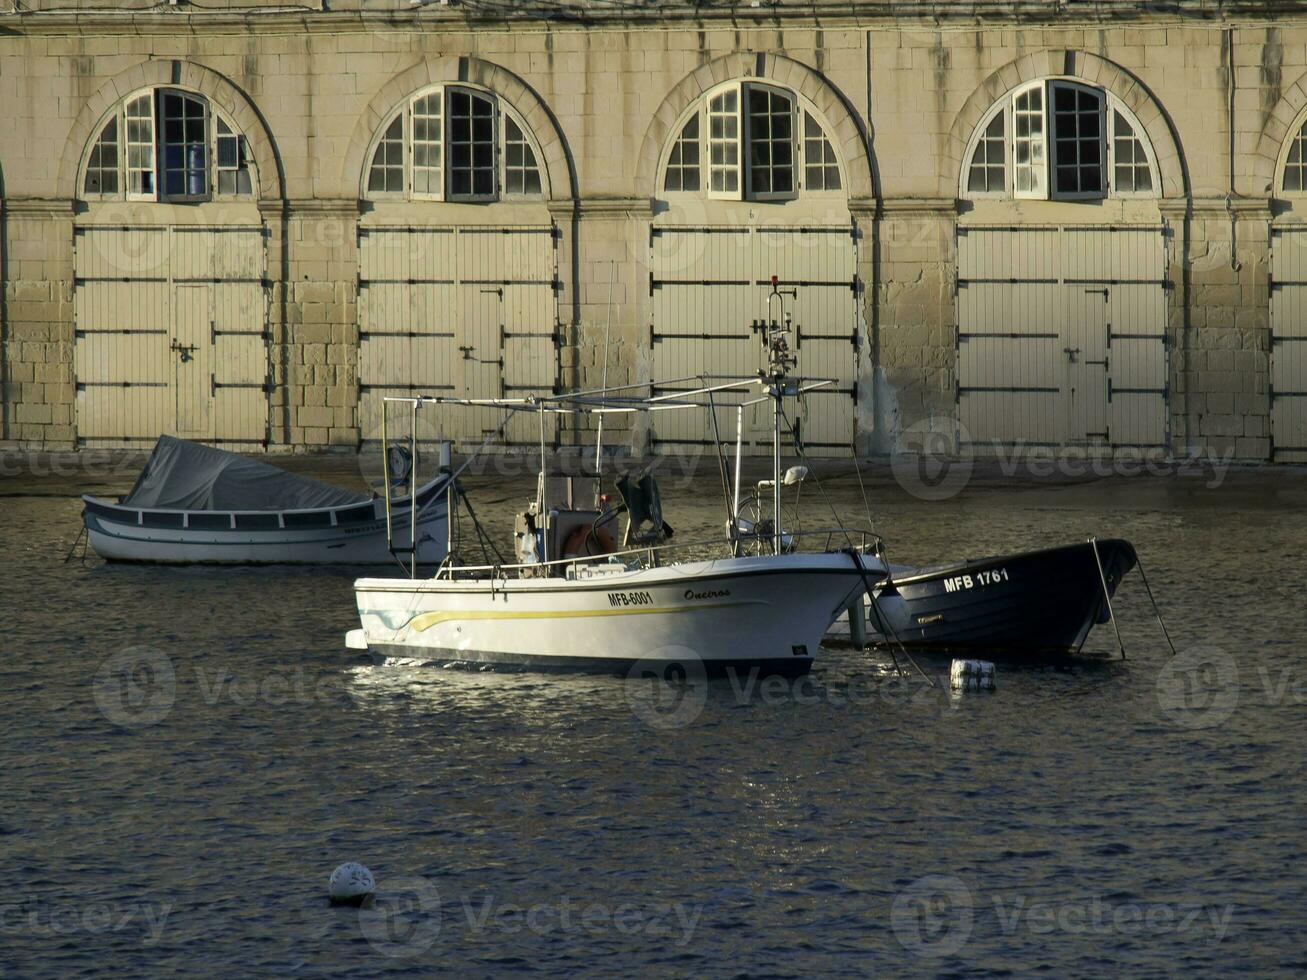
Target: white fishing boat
(576, 598)
(768, 612)
(197, 504)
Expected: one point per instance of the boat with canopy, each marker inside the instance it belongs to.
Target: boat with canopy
(576, 597)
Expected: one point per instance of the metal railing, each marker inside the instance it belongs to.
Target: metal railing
(654, 556)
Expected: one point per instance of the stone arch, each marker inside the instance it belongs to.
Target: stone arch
(846, 132)
(186, 75)
(557, 158)
(1080, 66)
(1281, 124)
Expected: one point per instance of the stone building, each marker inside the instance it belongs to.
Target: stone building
(1061, 223)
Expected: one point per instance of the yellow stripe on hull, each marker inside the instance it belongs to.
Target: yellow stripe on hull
(425, 621)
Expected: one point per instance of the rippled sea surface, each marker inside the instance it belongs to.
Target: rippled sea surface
(190, 752)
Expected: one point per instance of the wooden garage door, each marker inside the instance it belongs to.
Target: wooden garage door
(469, 312)
(171, 334)
(709, 285)
(1062, 336)
(1289, 344)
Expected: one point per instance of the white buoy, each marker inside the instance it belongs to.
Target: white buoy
(973, 675)
(351, 884)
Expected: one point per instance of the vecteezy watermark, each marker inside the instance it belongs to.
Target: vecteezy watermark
(1098, 916)
(672, 691)
(139, 687)
(936, 915)
(403, 918)
(95, 464)
(676, 921)
(933, 916)
(1286, 685)
(667, 688)
(752, 686)
(32, 917)
(406, 917)
(937, 458)
(136, 687)
(928, 464)
(1199, 687)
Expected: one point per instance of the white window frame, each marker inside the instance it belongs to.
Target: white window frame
(998, 111)
(1050, 136)
(802, 112)
(800, 108)
(210, 145)
(243, 158)
(1112, 107)
(1282, 163)
(119, 169)
(1109, 105)
(697, 113)
(1039, 184)
(409, 150)
(153, 194)
(737, 142)
(405, 178)
(529, 141)
(496, 189)
(746, 143)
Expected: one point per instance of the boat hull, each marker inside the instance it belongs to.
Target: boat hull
(766, 612)
(351, 535)
(1036, 603)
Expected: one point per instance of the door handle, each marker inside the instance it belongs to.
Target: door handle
(1071, 353)
(1100, 292)
(182, 350)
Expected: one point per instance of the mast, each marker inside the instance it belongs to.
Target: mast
(776, 393)
(599, 441)
(779, 362)
(735, 507)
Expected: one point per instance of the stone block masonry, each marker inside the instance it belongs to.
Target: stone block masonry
(1220, 104)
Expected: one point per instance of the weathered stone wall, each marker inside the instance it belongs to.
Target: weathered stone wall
(1217, 100)
(37, 372)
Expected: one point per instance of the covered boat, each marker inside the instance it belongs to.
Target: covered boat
(1034, 603)
(194, 503)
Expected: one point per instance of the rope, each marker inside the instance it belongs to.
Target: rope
(857, 469)
(78, 540)
(1156, 612)
(482, 537)
(857, 560)
(1093, 541)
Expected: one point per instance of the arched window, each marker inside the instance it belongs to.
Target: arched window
(750, 141)
(454, 143)
(1293, 179)
(166, 144)
(1060, 140)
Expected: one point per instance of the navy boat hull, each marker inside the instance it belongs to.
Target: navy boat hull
(1035, 603)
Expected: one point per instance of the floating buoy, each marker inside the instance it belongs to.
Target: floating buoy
(973, 675)
(351, 884)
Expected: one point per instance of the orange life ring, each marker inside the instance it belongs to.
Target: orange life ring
(586, 542)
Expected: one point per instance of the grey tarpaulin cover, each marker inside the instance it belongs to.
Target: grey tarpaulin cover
(183, 475)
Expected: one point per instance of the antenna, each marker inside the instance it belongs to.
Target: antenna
(608, 332)
(775, 333)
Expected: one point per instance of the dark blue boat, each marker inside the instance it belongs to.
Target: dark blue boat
(1038, 602)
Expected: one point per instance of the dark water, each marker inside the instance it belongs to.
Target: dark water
(190, 752)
